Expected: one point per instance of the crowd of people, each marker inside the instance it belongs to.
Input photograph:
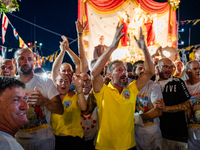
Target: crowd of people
(152, 104)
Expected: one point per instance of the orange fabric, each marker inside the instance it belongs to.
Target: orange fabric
(83, 14)
(106, 5)
(125, 38)
(151, 6)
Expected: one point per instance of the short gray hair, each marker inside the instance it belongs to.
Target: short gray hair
(187, 66)
(110, 66)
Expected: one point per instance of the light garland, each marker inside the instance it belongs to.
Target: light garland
(174, 4)
(8, 6)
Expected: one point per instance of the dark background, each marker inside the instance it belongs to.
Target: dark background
(59, 16)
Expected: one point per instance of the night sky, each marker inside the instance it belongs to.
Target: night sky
(60, 15)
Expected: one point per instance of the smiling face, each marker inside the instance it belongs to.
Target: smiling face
(7, 68)
(12, 108)
(194, 72)
(66, 68)
(25, 60)
(119, 75)
(139, 70)
(165, 69)
(63, 84)
(87, 84)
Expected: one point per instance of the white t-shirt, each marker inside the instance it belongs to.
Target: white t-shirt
(7, 142)
(39, 125)
(193, 116)
(148, 136)
(90, 125)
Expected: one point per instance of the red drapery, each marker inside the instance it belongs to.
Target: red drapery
(83, 14)
(151, 6)
(110, 6)
(106, 5)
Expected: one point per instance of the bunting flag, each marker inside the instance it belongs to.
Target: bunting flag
(4, 27)
(196, 22)
(189, 21)
(3, 52)
(51, 58)
(21, 43)
(15, 33)
(55, 55)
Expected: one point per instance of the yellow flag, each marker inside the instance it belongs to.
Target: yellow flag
(21, 43)
(188, 48)
(196, 22)
(55, 55)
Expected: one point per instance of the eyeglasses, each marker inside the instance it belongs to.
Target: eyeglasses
(167, 67)
(87, 81)
(9, 67)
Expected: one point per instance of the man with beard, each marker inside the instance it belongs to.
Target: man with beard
(12, 112)
(7, 68)
(147, 131)
(43, 99)
(176, 101)
(116, 101)
(193, 86)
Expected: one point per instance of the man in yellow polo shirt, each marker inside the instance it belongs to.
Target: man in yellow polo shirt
(116, 101)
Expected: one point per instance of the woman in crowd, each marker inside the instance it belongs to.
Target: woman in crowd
(67, 127)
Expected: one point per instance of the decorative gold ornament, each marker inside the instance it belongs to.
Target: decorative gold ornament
(174, 4)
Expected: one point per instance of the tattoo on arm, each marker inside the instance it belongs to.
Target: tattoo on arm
(180, 107)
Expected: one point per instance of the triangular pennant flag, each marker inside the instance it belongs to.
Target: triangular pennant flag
(51, 58)
(55, 55)
(4, 27)
(15, 33)
(189, 21)
(196, 22)
(182, 22)
(21, 43)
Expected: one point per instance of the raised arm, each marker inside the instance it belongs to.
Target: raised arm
(148, 63)
(78, 81)
(80, 27)
(72, 55)
(57, 63)
(64, 46)
(97, 80)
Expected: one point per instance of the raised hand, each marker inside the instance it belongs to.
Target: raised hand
(64, 45)
(77, 80)
(140, 42)
(118, 36)
(80, 26)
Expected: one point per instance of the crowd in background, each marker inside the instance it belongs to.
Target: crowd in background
(150, 104)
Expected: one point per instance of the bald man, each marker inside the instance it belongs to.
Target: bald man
(176, 101)
(7, 68)
(65, 68)
(43, 99)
